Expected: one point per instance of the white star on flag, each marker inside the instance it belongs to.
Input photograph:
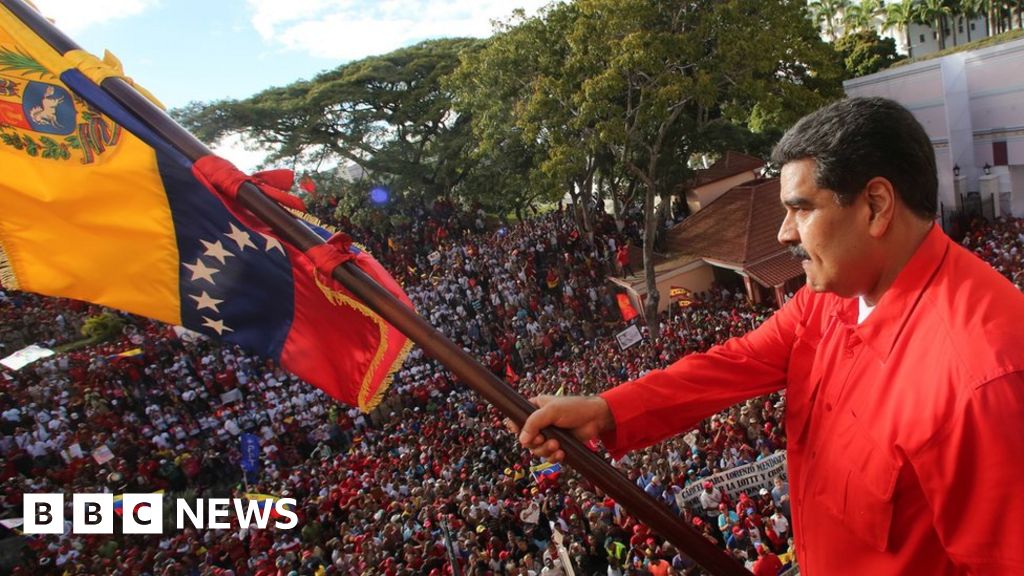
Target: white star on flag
(205, 301)
(241, 237)
(216, 250)
(216, 325)
(200, 270)
(272, 243)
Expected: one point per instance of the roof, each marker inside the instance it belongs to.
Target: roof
(662, 265)
(727, 166)
(740, 229)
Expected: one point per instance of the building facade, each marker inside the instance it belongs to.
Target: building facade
(972, 106)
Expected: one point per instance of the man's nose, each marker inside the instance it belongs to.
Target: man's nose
(787, 232)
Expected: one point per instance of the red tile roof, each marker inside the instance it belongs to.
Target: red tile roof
(776, 270)
(727, 166)
(739, 229)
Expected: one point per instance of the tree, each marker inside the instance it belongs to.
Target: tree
(899, 16)
(671, 70)
(934, 12)
(389, 114)
(861, 17)
(520, 89)
(866, 52)
(828, 12)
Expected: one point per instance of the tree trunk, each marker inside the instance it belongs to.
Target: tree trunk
(650, 235)
(586, 197)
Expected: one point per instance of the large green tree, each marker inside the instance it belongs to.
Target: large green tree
(865, 52)
(672, 71)
(389, 114)
(521, 90)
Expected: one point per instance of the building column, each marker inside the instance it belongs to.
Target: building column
(780, 295)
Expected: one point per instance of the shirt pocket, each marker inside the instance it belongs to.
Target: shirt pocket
(859, 487)
(801, 380)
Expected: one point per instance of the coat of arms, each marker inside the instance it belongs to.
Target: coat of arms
(42, 118)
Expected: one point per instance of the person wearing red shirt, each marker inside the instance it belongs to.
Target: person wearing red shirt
(901, 361)
(767, 564)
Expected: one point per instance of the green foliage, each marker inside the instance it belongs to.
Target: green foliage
(518, 89)
(389, 114)
(102, 327)
(865, 53)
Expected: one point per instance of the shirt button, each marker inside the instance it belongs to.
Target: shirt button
(828, 406)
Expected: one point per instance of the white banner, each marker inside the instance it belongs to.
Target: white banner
(26, 356)
(628, 337)
(233, 395)
(748, 478)
(102, 455)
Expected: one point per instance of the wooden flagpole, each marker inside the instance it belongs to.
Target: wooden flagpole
(466, 368)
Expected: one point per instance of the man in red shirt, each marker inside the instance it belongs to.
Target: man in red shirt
(767, 564)
(901, 359)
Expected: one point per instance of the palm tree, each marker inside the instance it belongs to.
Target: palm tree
(955, 13)
(827, 12)
(971, 10)
(934, 12)
(861, 16)
(899, 17)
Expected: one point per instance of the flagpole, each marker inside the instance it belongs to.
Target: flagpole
(466, 368)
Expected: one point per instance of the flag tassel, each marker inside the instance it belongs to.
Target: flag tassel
(7, 278)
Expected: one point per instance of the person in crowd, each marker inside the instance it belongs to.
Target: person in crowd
(389, 492)
(901, 361)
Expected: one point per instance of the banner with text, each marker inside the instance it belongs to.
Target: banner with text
(748, 478)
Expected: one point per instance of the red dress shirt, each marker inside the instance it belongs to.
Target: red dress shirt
(906, 432)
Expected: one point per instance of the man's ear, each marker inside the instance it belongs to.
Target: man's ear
(881, 199)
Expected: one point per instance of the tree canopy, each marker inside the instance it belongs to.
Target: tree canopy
(593, 100)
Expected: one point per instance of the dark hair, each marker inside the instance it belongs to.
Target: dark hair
(857, 139)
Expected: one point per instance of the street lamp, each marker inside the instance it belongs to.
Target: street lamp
(956, 170)
(987, 169)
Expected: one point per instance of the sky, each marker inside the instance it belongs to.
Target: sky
(206, 50)
(185, 50)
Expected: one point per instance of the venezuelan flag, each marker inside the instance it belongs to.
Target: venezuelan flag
(95, 206)
(263, 501)
(126, 354)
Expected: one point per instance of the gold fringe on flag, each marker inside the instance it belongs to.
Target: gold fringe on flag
(7, 278)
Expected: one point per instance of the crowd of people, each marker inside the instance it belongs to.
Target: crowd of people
(430, 483)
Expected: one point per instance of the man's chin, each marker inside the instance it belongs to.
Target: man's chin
(816, 287)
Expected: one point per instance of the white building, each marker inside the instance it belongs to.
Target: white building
(972, 106)
(921, 39)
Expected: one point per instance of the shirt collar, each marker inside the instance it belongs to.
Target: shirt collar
(886, 323)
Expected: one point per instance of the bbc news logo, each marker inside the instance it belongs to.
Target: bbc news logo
(144, 513)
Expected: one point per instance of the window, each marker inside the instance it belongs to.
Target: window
(960, 28)
(922, 38)
(999, 155)
(972, 25)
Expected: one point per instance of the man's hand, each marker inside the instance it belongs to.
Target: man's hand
(586, 417)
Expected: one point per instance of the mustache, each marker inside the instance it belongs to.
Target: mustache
(799, 253)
